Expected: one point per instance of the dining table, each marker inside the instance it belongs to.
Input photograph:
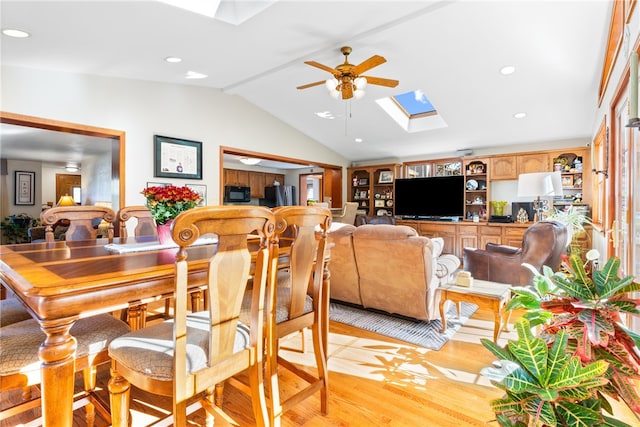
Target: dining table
(63, 281)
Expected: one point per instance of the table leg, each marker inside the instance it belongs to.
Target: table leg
(442, 315)
(57, 354)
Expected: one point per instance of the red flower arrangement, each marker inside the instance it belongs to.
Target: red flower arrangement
(166, 203)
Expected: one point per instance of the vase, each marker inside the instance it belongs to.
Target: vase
(498, 207)
(164, 232)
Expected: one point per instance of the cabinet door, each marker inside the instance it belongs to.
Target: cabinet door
(504, 168)
(257, 182)
(243, 178)
(490, 234)
(230, 177)
(467, 238)
(528, 163)
(512, 236)
(447, 232)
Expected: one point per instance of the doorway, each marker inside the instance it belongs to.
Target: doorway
(67, 185)
(311, 188)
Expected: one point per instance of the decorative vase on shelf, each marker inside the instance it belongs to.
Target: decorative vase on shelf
(498, 207)
(164, 232)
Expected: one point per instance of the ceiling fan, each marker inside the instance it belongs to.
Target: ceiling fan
(348, 81)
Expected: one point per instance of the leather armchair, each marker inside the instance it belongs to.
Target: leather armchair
(366, 219)
(542, 244)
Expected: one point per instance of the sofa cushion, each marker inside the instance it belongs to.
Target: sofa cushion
(384, 232)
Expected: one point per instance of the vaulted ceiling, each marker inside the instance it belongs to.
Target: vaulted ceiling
(451, 50)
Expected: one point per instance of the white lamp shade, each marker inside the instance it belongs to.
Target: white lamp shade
(539, 184)
(335, 93)
(331, 84)
(358, 94)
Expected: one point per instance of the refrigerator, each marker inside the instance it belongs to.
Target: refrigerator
(279, 195)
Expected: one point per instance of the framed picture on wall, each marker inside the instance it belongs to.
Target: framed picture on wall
(201, 190)
(177, 158)
(25, 188)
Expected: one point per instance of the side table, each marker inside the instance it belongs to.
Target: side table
(484, 294)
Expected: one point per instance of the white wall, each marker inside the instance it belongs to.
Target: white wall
(143, 109)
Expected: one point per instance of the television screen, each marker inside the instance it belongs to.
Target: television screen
(433, 197)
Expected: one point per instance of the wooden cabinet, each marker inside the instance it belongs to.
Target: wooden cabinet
(476, 192)
(446, 231)
(460, 235)
(257, 183)
(372, 188)
(528, 163)
(503, 168)
(512, 235)
(255, 180)
(489, 234)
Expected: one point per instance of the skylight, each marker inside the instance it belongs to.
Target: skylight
(412, 111)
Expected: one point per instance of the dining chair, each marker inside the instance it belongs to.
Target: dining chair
(300, 300)
(20, 366)
(348, 214)
(145, 225)
(12, 311)
(187, 356)
(81, 221)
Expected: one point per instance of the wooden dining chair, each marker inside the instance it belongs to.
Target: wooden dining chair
(300, 300)
(20, 365)
(189, 355)
(81, 221)
(145, 226)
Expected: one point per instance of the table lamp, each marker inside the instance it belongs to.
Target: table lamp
(66, 200)
(539, 184)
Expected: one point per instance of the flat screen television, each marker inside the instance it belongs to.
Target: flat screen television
(431, 198)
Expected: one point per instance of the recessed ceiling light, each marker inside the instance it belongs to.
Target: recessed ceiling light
(508, 69)
(358, 140)
(325, 115)
(173, 59)
(520, 115)
(15, 33)
(195, 75)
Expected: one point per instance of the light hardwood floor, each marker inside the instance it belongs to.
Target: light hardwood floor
(374, 381)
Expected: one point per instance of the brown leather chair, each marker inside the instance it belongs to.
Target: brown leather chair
(542, 244)
(377, 219)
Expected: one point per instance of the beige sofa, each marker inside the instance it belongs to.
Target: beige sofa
(389, 268)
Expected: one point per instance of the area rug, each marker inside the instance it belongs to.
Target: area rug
(418, 332)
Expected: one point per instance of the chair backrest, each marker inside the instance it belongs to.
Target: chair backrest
(544, 243)
(300, 224)
(348, 215)
(146, 225)
(83, 221)
(228, 274)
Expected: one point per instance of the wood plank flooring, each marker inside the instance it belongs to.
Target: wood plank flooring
(374, 381)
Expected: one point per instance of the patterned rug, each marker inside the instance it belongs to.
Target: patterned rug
(418, 332)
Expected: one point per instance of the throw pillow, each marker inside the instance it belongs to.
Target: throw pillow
(438, 244)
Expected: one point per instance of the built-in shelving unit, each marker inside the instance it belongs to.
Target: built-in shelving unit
(476, 190)
(372, 188)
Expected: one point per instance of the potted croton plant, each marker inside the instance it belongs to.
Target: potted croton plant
(581, 353)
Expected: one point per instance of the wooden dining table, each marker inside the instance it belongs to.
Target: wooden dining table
(62, 282)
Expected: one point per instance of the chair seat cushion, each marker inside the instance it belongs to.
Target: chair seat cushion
(149, 350)
(283, 299)
(20, 342)
(12, 311)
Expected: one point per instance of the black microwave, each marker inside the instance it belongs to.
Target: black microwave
(233, 193)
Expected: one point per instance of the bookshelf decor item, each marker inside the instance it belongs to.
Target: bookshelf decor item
(386, 177)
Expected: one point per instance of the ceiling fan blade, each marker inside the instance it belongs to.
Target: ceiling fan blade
(347, 91)
(374, 61)
(380, 81)
(323, 67)
(311, 84)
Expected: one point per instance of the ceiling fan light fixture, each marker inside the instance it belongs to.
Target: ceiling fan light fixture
(336, 94)
(357, 94)
(360, 83)
(249, 161)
